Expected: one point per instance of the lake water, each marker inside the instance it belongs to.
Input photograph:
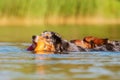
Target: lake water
(18, 64)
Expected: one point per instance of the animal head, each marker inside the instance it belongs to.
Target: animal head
(42, 45)
(54, 38)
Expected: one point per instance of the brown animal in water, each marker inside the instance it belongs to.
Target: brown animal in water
(90, 42)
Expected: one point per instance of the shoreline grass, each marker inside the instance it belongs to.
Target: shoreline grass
(38, 12)
(59, 21)
(60, 8)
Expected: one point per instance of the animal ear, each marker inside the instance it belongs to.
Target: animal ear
(56, 35)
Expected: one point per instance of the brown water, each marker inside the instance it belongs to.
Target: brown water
(18, 64)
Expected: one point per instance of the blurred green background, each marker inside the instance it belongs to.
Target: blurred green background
(66, 8)
(73, 19)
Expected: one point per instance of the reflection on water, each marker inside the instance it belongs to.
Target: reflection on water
(18, 64)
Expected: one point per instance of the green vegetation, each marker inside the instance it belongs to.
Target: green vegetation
(24, 34)
(64, 8)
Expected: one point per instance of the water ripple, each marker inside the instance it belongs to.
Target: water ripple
(17, 63)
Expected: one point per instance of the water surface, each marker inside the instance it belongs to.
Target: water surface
(18, 64)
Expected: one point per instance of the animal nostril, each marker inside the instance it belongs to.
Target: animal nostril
(33, 37)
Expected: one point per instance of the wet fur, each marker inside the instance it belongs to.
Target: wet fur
(60, 44)
(90, 42)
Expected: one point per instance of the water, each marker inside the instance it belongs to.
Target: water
(18, 64)
(24, 33)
